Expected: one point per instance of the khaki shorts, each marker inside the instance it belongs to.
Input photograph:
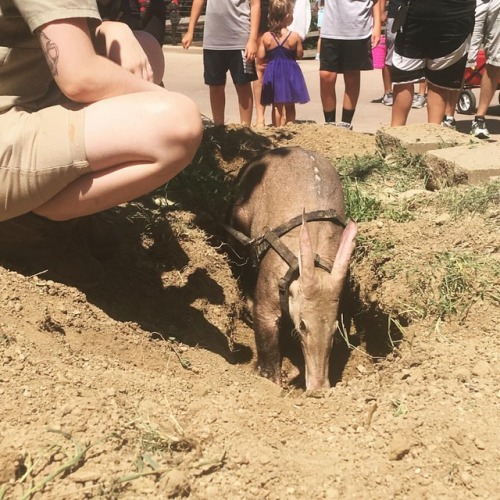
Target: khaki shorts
(40, 154)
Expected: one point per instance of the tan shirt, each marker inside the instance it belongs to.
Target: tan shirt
(25, 78)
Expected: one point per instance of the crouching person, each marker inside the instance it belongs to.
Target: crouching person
(74, 92)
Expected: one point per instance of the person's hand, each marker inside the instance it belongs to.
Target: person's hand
(187, 39)
(117, 42)
(375, 39)
(251, 50)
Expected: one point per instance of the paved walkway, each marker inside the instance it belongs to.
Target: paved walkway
(184, 73)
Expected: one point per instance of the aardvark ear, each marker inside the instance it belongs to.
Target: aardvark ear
(346, 247)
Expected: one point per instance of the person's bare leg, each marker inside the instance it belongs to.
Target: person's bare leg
(245, 102)
(260, 109)
(403, 97)
(135, 143)
(386, 79)
(422, 87)
(489, 82)
(218, 103)
(290, 113)
(451, 102)
(277, 115)
(327, 81)
(352, 80)
(436, 103)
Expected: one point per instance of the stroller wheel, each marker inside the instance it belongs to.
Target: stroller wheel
(466, 103)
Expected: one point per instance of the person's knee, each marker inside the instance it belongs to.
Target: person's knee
(179, 129)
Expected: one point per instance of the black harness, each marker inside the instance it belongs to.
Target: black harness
(271, 239)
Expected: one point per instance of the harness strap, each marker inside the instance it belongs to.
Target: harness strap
(261, 245)
(271, 239)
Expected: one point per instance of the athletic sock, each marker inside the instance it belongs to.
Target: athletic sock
(480, 117)
(329, 116)
(347, 115)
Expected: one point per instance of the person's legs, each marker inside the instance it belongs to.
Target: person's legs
(134, 144)
(218, 103)
(489, 83)
(403, 97)
(450, 107)
(352, 80)
(329, 67)
(327, 82)
(245, 102)
(386, 79)
(290, 113)
(260, 109)
(436, 103)
(215, 67)
(278, 117)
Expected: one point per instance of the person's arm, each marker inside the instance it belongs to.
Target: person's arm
(81, 74)
(195, 14)
(251, 47)
(300, 47)
(261, 51)
(383, 11)
(377, 26)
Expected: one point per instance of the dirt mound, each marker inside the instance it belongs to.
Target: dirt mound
(143, 386)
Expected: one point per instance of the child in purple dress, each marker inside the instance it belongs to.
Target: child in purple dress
(283, 84)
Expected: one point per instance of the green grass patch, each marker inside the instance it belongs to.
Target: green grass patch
(469, 200)
(450, 285)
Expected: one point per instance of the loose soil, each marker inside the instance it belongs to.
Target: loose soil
(143, 385)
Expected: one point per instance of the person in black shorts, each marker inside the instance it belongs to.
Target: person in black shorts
(432, 45)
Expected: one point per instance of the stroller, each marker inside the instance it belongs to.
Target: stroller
(472, 80)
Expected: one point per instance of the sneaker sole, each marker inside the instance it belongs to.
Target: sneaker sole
(481, 135)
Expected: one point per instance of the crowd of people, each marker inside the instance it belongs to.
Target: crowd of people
(72, 100)
(428, 47)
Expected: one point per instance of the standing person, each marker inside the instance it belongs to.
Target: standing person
(478, 35)
(283, 84)
(431, 45)
(260, 66)
(350, 30)
(419, 98)
(229, 44)
(489, 24)
(71, 103)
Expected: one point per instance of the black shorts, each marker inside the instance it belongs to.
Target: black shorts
(435, 50)
(217, 63)
(338, 56)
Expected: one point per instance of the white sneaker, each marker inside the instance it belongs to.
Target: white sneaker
(449, 122)
(419, 101)
(388, 99)
(479, 129)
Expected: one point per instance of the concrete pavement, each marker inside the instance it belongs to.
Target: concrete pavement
(184, 73)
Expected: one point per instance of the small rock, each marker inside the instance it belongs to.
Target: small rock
(481, 369)
(461, 374)
(479, 444)
(442, 219)
(400, 447)
(466, 478)
(85, 475)
(174, 484)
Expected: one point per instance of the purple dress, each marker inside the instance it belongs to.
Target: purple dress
(283, 81)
